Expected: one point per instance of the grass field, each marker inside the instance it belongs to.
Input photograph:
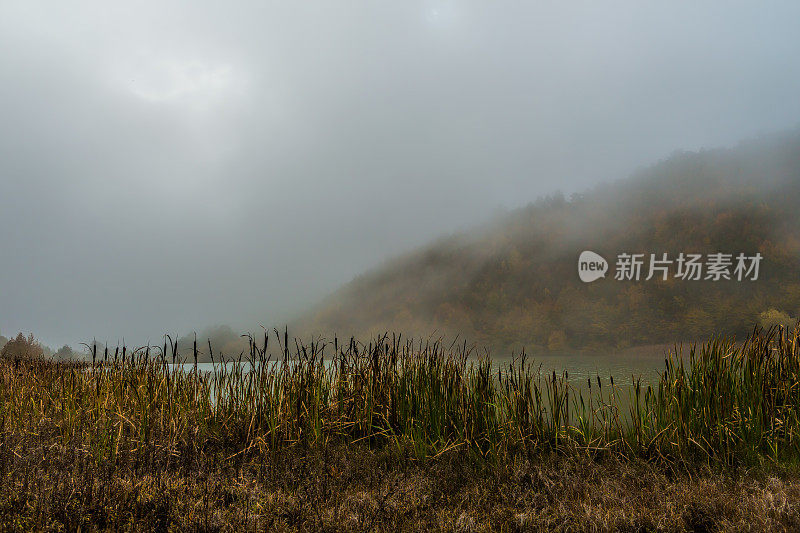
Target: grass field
(401, 435)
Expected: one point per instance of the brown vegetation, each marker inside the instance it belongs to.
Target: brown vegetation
(395, 436)
(355, 488)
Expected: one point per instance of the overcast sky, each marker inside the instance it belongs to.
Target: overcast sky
(167, 165)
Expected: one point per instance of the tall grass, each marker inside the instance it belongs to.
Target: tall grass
(722, 402)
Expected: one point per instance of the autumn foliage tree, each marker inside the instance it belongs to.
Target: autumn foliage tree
(22, 348)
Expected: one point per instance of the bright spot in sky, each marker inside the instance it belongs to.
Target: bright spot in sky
(442, 15)
(166, 81)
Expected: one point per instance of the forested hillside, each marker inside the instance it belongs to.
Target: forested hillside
(514, 282)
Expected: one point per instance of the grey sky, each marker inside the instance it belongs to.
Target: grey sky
(169, 165)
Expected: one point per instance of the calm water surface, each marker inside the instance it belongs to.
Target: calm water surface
(643, 363)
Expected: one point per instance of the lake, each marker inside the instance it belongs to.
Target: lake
(641, 362)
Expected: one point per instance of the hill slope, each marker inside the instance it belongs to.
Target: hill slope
(514, 282)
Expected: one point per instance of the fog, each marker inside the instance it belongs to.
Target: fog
(166, 166)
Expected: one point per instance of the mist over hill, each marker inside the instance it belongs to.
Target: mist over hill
(514, 282)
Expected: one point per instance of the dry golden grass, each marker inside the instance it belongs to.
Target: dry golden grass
(350, 488)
